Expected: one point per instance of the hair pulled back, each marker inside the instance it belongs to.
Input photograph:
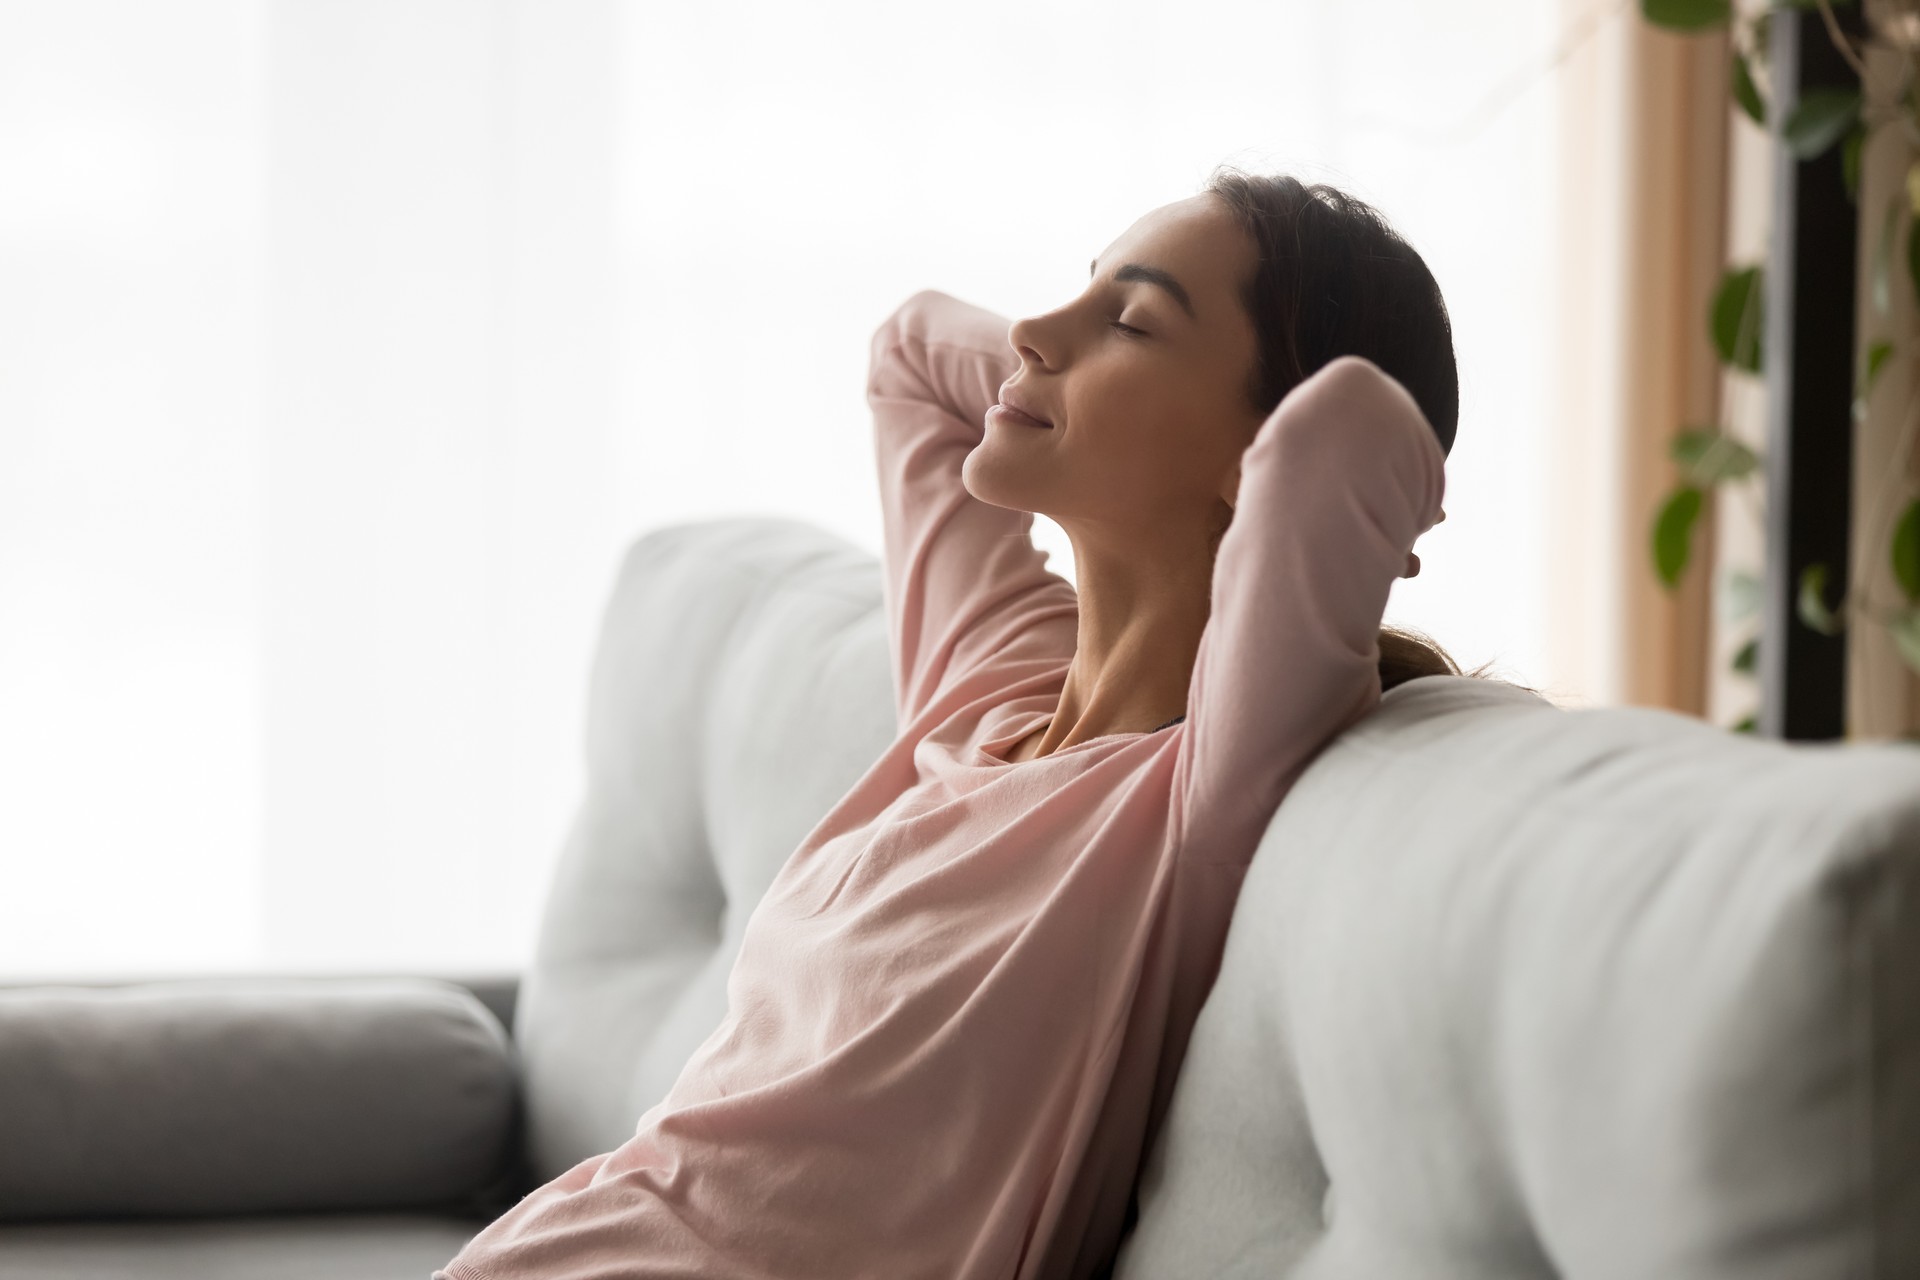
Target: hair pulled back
(1332, 278)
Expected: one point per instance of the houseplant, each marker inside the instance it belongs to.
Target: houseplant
(1709, 456)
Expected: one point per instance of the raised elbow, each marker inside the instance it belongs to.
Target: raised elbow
(904, 321)
(1350, 396)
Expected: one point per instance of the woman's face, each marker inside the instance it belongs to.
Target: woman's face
(1144, 383)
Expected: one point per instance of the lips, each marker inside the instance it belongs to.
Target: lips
(1020, 410)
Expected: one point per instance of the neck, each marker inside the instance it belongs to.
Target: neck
(1142, 612)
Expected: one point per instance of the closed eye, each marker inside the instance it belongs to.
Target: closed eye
(1138, 333)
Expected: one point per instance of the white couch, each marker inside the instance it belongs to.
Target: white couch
(1511, 990)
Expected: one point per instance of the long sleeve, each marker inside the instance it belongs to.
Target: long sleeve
(1343, 476)
(962, 577)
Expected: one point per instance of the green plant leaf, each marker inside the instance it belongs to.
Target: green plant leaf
(1819, 120)
(1738, 317)
(1673, 533)
(1711, 456)
(1750, 723)
(1746, 92)
(1850, 160)
(1686, 447)
(1812, 604)
(1874, 358)
(1906, 636)
(1906, 551)
(1686, 15)
(1748, 657)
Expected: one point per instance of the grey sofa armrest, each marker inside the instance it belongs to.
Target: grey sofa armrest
(253, 1094)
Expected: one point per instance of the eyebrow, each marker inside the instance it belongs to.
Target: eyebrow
(1150, 275)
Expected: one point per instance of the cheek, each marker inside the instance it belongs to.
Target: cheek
(1131, 461)
(1122, 416)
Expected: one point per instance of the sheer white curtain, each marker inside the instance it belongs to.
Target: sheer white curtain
(349, 343)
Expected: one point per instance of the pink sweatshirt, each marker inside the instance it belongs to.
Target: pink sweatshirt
(956, 1016)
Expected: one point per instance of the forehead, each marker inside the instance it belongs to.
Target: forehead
(1197, 241)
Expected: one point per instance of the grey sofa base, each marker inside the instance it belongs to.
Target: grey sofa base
(321, 1246)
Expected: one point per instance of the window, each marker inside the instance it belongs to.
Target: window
(349, 346)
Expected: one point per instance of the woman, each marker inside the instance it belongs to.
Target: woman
(958, 1012)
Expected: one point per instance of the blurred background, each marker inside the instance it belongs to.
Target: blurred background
(348, 345)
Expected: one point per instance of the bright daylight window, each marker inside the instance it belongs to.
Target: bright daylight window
(349, 346)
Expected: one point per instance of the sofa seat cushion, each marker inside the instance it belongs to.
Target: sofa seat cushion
(385, 1246)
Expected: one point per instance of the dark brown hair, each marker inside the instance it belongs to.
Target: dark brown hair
(1332, 278)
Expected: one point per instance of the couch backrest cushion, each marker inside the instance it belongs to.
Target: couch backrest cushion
(1511, 990)
(740, 687)
(1520, 991)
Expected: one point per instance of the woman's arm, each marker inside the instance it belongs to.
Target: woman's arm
(963, 578)
(1340, 480)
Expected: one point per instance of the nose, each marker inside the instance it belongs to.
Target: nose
(1021, 335)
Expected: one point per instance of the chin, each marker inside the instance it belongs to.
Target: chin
(998, 480)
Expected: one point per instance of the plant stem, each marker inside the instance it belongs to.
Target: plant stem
(1840, 41)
